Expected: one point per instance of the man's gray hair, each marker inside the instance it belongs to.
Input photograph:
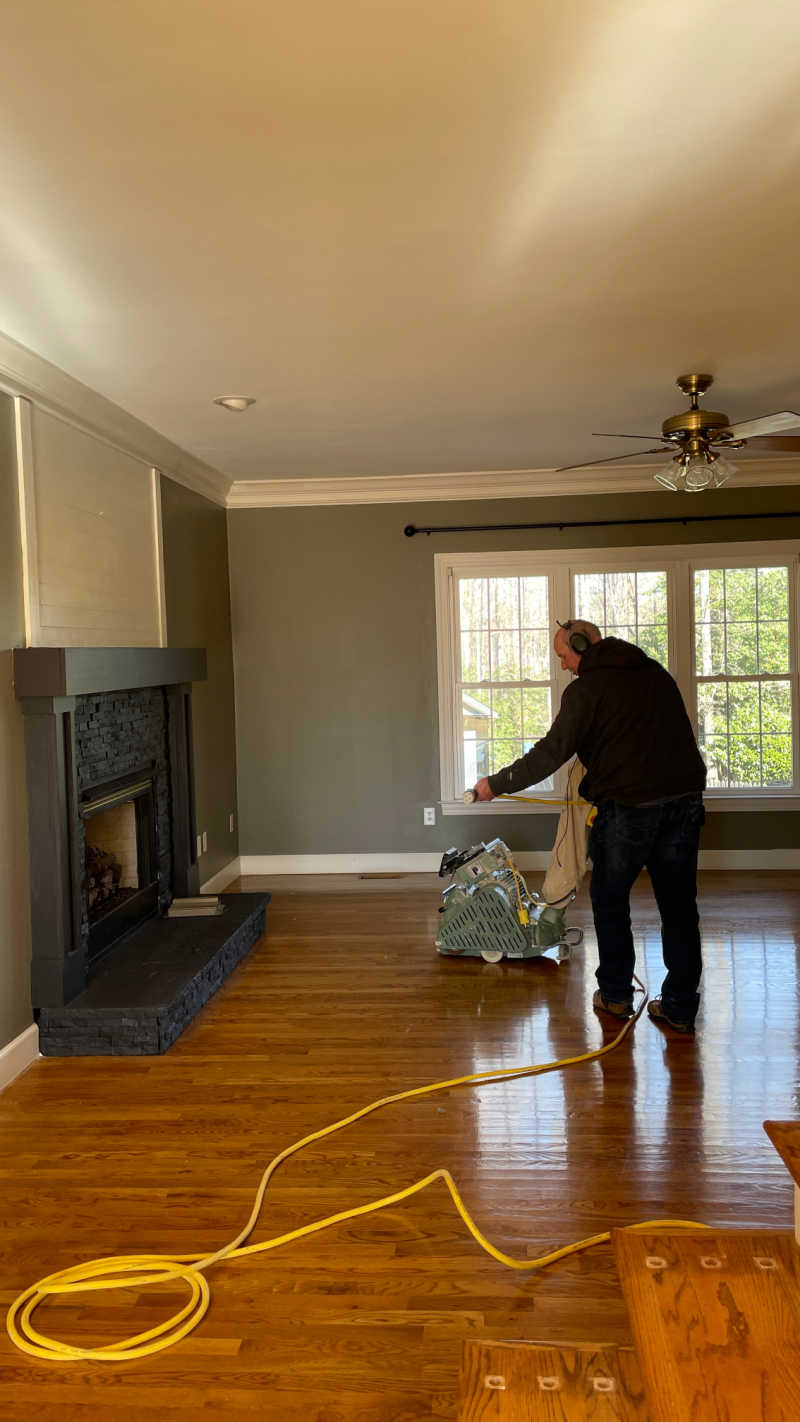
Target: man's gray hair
(579, 624)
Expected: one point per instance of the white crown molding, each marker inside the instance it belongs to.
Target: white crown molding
(486, 484)
(26, 374)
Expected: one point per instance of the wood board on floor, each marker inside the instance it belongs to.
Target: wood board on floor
(524, 1382)
(716, 1320)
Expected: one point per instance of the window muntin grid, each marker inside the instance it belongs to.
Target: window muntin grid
(632, 605)
(504, 686)
(743, 675)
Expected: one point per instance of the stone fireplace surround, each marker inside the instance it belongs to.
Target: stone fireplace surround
(98, 717)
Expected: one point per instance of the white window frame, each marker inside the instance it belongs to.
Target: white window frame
(679, 562)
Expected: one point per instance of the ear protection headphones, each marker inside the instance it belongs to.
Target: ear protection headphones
(578, 641)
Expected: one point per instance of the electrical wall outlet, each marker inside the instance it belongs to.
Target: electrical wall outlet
(429, 815)
(205, 841)
(230, 824)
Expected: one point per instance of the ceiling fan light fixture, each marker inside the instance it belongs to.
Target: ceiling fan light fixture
(691, 473)
(696, 466)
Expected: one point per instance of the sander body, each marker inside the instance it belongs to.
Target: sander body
(488, 912)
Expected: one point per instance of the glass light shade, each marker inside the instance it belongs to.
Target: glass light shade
(697, 473)
(721, 470)
(668, 476)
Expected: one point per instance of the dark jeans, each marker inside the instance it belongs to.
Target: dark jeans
(664, 839)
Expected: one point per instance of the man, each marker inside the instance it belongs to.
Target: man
(624, 718)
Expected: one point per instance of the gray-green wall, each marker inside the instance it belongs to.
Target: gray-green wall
(335, 647)
(15, 940)
(198, 615)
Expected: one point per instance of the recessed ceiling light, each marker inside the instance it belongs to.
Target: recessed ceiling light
(235, 402)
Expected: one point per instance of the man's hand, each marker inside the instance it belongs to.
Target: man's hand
(483, 790)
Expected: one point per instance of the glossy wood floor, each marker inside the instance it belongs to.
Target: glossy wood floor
(344, 1001)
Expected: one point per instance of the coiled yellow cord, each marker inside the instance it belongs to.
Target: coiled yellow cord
(127, 1271)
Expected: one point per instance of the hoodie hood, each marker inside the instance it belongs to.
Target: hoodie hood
(612, 652)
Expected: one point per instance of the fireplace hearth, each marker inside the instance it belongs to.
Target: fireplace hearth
(108, 739)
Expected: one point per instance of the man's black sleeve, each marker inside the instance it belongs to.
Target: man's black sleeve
(559, 745)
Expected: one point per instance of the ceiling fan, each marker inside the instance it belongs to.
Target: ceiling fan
(697, 464)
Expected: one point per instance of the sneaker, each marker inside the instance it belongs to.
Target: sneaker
(655, 1008)
(617, 1009)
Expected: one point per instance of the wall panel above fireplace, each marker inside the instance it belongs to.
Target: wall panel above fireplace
(93, 567)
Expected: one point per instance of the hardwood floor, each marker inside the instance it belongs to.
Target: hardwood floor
(344, 1001)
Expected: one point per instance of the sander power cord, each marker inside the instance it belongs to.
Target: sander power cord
(137, 1271)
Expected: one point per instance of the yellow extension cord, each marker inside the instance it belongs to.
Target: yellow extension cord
(128, 1271)
(531, 800)
(535, 800)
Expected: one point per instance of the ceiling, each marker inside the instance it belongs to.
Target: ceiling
(427, 238)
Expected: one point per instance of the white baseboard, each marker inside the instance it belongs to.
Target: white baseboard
(222, 878)
(17, 1056)
(749, 859)
(364, 863)
(744, 859)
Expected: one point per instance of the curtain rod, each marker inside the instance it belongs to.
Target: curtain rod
(410, 530)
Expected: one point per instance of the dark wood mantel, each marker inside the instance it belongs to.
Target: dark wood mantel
(84, 671)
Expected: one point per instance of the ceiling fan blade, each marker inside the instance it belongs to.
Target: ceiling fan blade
(615, 458)
(782, 444)
(768, 424)
(601, 434)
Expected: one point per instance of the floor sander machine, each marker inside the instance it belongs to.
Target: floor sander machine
(488, 912)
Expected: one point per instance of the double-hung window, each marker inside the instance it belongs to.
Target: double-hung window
(743, 674)
(504, 676)
(724, 625)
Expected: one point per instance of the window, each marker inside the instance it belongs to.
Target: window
(724, 627)
(630, 605)
(744, 686)
(504, 683)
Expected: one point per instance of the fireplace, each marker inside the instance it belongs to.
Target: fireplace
(111, 816)
(120, 868)
(105, 729)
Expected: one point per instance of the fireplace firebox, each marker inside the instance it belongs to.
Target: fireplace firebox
(121, 874)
